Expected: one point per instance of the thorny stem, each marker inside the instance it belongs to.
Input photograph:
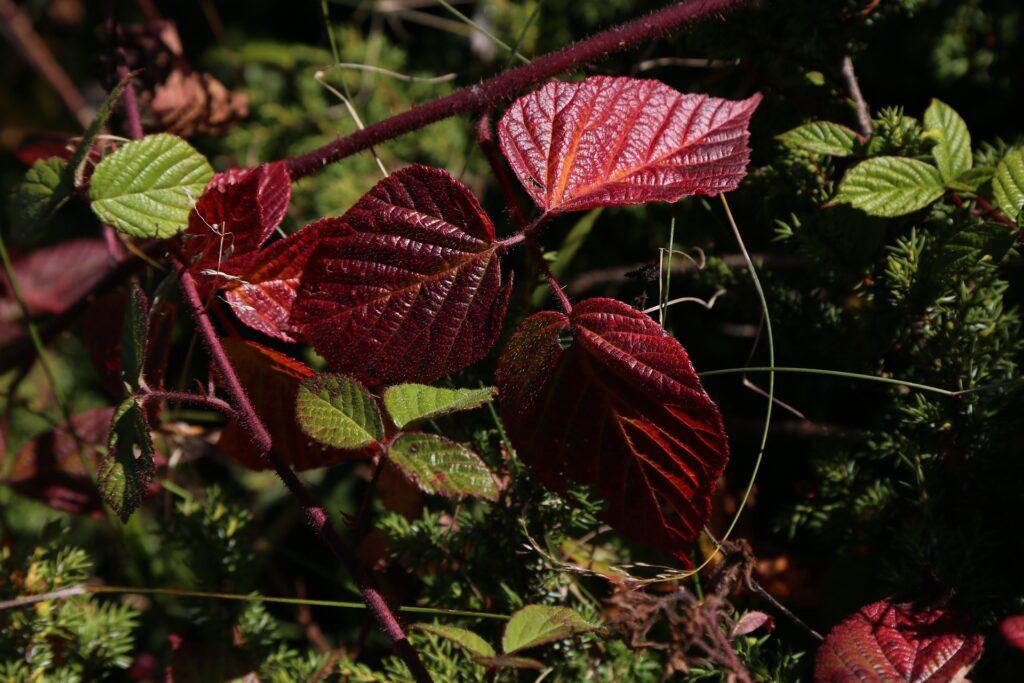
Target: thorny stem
(538, 256)
(492, 91)
(853, 86)
(316, 514)
(211, 402)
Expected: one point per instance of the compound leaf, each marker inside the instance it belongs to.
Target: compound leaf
(408, 403)
(147, 188)
(338, 412)
(890, 641)
(535, 625)
(821, 137)
(890, 186)
(406, 286)
(604, 397)
(613, 141)
(442, 467)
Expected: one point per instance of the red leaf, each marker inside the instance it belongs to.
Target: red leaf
(263, 297)
(1012, 629)
(612, 141)
(605, 397)
(406, 286)
(887, 641)
(236, 214)
(52, 278)
(271, 380)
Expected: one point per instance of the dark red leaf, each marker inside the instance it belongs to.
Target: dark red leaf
(263, 296)
(611, 141)
(1012, 629)
(605, 397)
(406, 286)
(887, 641)
(52, 278)
(271, 380)
(38, 146)
(236, 214)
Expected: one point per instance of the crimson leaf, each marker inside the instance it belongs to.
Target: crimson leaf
(406, 286)
(271, 380)
(53, 278)
(613, 141)
(1012, 629)
(896, 642)
(236, 214)
(605, 397)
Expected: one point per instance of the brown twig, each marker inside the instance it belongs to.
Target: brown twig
(863, 111)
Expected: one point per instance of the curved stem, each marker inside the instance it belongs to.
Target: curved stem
(315, 513)
(510, 83)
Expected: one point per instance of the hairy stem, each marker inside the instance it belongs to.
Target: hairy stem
(199, 400)
(490, 92)
(315, 513)
(853, 86)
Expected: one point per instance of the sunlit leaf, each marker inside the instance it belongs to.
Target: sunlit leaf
(1008, 184)
(535, 625)
(407, 285)
(338, 412)
(887, 641)
(147, 188)
(821, 137)
(890, 186)
(953, 152)
(610, 141)
(606, 398)
(442, 467)
(407, 403)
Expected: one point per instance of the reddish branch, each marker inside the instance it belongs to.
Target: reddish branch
(495, 90)
(315, 513)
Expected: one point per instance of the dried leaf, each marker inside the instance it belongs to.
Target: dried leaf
(406, 286)
(606, 398)
(271, 380)
(889, 641)
(612, 141)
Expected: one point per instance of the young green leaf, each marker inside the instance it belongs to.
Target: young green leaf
(126, 470)
(133, 338)
(1008, 184)
(821, 137)
(536, 625)
(49, 183)
(972, 179)
(890, 186)
(442, 467)
(460, 636)
(407, 403)
(953, 153)
(338, 412)
(147, 188)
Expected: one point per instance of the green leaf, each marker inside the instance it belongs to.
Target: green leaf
(890, 186)
(127, 469)
(536, 625)
(48, 192)
(972, 179)
(39, 196)
(442, 467)
(507, 662)
(1008, 184)
(148, 187)
(460, 636)
(821, 137)
(338, 412)
(953, 153)
(133, 338)
(407, 403)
